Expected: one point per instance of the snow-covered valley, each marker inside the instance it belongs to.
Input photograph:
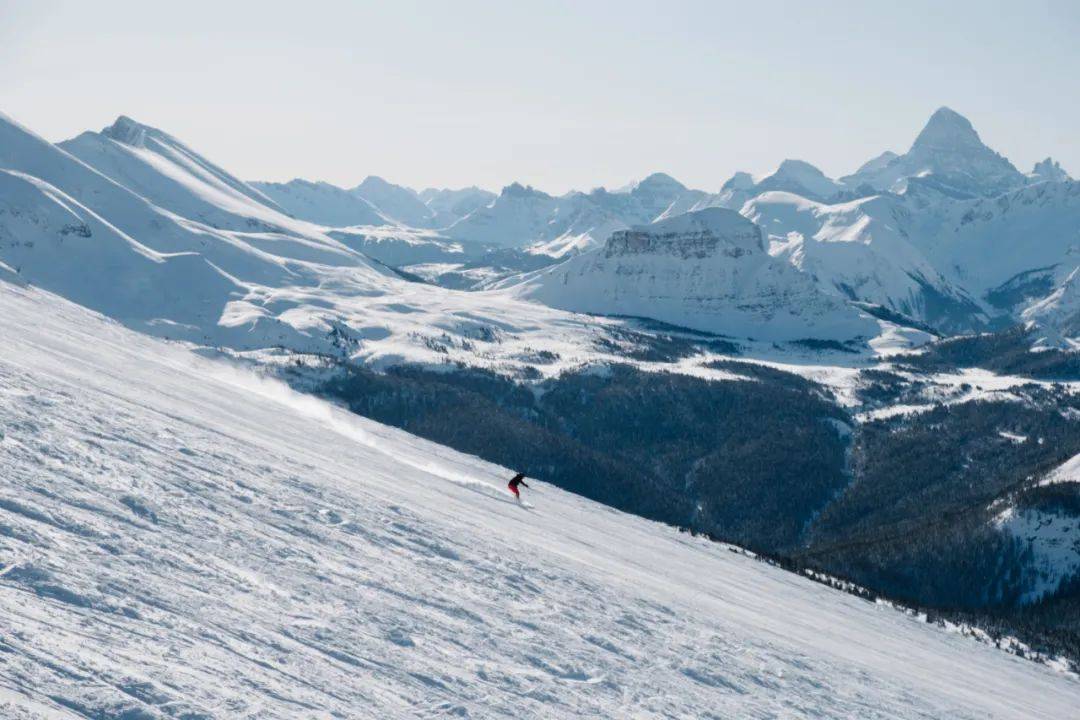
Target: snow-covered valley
(183, 539)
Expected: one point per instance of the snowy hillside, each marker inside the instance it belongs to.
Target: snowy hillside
(707, 270)
(182, 539)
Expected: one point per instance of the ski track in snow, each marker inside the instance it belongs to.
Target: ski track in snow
(180, 539)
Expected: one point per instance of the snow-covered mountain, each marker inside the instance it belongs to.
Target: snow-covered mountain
(861, 250)
(401, 204)
(185, 540)
(1059, 312)
(1009, 248)
(374, 202)
(947, 152)
(523, 217)
(792, 176)
(1048, 170)
(322, 203)
(518, 216)
(564, 225)
(930, 252)
(172, 176)
(155, 268)
(68, 228)
(655, 197)
(450, 205)
(559, 226)
(942, 239)
(707, 270)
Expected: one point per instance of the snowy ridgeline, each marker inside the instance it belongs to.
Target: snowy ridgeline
(182, 539)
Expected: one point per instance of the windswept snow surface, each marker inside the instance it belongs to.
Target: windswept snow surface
(182, 539)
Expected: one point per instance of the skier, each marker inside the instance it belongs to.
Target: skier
(518, 479)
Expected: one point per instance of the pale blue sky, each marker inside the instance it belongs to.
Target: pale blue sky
(556, 94)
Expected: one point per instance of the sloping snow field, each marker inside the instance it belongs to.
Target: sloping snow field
(180, 539)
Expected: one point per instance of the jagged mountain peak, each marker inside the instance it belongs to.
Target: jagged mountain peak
(947, 128)
(516, 189)
(948, 154)
(741, 180)
(1048, 170)
(131, 132)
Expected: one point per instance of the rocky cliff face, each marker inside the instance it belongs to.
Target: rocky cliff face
(704, 234)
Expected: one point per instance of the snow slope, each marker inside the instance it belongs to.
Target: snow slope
(181, 539)
(706, 270)
(51, 240)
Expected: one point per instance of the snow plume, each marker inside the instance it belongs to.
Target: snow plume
(338, 420)
(306, 406)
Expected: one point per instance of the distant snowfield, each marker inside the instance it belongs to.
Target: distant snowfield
(183, 539)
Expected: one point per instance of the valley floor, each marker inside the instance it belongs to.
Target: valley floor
(182, 539)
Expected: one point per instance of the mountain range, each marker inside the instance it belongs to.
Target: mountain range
(904, 232)
(948, 236)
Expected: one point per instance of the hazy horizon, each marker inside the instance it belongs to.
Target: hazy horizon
(557, 96)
